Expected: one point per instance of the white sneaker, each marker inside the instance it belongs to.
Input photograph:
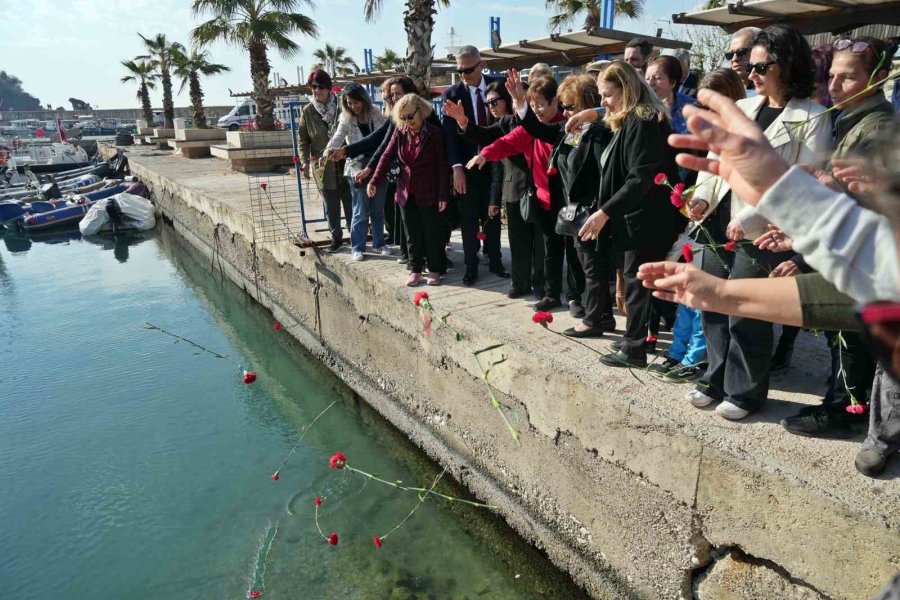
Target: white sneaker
(730, 411)
(358, 256)
(698, 398)
(385, 251)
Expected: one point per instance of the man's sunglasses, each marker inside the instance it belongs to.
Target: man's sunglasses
(565, 107)
(468, 71)
(406, 118)
(857, 47)
(881, 328)
(493, 103)
(740, 53)
(760, 68)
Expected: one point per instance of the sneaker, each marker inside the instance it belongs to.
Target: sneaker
(404, 259)
(385, 251)
(358, 256)
(730, 411)
(547, 303)
(333, 247)
(665, 367)
(576, 310)
(433, 279)
(414, 279)
(688, 372)
(870, 463)
(698, 398)
(820, 422)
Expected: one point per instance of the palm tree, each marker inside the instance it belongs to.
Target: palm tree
(161, 51)
(189, 68)
(570, 10)
(388, 60)
(418, 20)
(254, 25)
(144, 73)
(336, 57)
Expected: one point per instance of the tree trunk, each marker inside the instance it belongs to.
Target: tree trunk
(145, 104)
(418, 20)
(197, 100)
(262, 95)
(168, 105)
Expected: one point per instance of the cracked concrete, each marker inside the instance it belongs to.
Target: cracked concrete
(624, 485)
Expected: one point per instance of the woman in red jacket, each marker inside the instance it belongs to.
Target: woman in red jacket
(424, 185)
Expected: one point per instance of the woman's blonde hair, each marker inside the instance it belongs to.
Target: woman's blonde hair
(637, 96)
(408, 104)
(580, 90)
(355, 91)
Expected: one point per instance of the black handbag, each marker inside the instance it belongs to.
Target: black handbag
(571, 219)
(528, 203)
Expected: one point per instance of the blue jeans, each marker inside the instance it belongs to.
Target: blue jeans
(365, 208)
(688, 341)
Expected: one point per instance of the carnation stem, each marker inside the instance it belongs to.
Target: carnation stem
(422, 498)
(149, 325)
(417, 489)
(303, 433)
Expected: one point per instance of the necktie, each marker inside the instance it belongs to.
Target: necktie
(480, 109)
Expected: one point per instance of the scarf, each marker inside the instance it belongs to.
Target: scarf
(327, 110)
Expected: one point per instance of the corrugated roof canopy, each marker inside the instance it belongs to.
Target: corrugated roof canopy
(809, 16)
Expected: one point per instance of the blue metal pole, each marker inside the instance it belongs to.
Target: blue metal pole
(292, 106)
(494, 26)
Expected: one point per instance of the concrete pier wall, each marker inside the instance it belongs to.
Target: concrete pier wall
(625, 486)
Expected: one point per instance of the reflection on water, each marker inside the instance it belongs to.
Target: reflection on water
(21, 241)
(133, 468)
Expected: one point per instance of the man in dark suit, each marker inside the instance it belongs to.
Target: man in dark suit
(473, 188)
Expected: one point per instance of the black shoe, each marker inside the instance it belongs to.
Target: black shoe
(500, 272)
(576, 309)
(822, 422)
(870, 463)
(470, 277)
(620, 359)
(513, 293)
(648, 346)
(333, 247)
(689, 373)
(608, 324)
(593, 332)
(665, 367)
(404, 259)
(547, 303)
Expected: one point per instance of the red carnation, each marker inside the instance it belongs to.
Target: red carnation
(337, 460)
(481, 235)
(254, 594)
(295, 159)
(677, 196)
(552, 171)
(249, 377)
(542, 317)
(377, 541)
(661, 179)
(277, 326)
(264, 185)
(687, 252)
(651, 339)
(318, 501)
(856, 409)
(276, 476)
(730, 246)
(421, 299)
(333, 539)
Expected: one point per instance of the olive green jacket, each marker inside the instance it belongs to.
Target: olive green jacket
(313, 134)
(859, 128)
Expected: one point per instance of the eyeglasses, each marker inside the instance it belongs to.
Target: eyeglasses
(565, 107)
(406, 118)
(740, 52)
(760, 68)
(493, 103)
(857, 47)
(468, 71)
(316, 86)
(881, 328)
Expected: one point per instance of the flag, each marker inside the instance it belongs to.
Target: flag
(62, 133)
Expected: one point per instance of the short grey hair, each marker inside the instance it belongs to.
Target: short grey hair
(746, 32)
(468, 52)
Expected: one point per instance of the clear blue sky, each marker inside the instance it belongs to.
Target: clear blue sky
(65, 48)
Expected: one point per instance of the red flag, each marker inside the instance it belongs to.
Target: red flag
(62, 133)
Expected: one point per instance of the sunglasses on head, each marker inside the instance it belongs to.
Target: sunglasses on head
(468, 71)
(740, 53)
(493, 103)
(409, 117)
(857, 47)
(760, 68)
(563, 106)
(881, 328)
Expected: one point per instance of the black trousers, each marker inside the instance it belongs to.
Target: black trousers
(596, 261)
(393, 220)
(575, 279)
(491, 228)
(858, 370)
(554, 253)
(638, 299)
(425, 227)
(334, 199)
(478, 191)
(526, 249)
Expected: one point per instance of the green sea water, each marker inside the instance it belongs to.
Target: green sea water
(132, 467)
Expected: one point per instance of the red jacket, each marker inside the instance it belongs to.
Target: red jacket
(537, 153)
(424, 170)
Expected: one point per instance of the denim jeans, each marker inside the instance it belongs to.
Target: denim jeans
(365, 208)
(688, 339)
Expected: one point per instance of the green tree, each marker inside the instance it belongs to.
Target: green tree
(254, 26)
(161, 51)
(571, 10)
(336, 58)
(188, 69)
(388, 60)
(142, 72)
(418, 21)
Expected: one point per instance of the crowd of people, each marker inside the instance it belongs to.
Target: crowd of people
(784, 227)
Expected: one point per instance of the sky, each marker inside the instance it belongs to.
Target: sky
(73, 48)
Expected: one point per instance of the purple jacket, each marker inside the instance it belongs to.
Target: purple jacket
(424, 169)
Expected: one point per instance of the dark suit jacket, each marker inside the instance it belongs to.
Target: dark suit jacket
(459, 151)
(510, 176)
(424, 175)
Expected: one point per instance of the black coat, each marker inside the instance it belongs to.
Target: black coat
(459, 151)
(509, 177)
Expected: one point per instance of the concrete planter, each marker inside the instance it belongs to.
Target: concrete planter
(259, 139)
(200, 135)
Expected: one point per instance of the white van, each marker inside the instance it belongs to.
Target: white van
(242, 114)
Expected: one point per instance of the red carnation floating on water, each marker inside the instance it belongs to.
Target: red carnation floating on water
(337, 460)
(481, 235)
(542, 317)
(318, 501)
(249, 377)
(856, 409)
(661, 179)
(277, 326)
(730, 246)
(333, 539)
(687, 253)
(377, 541)
(254, 594)
(276, 476)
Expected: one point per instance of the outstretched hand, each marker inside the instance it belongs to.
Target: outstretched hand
(477, 161)
(581, 118)
(746, 159)
(774, 240)
(455, 111)
(682, 283)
